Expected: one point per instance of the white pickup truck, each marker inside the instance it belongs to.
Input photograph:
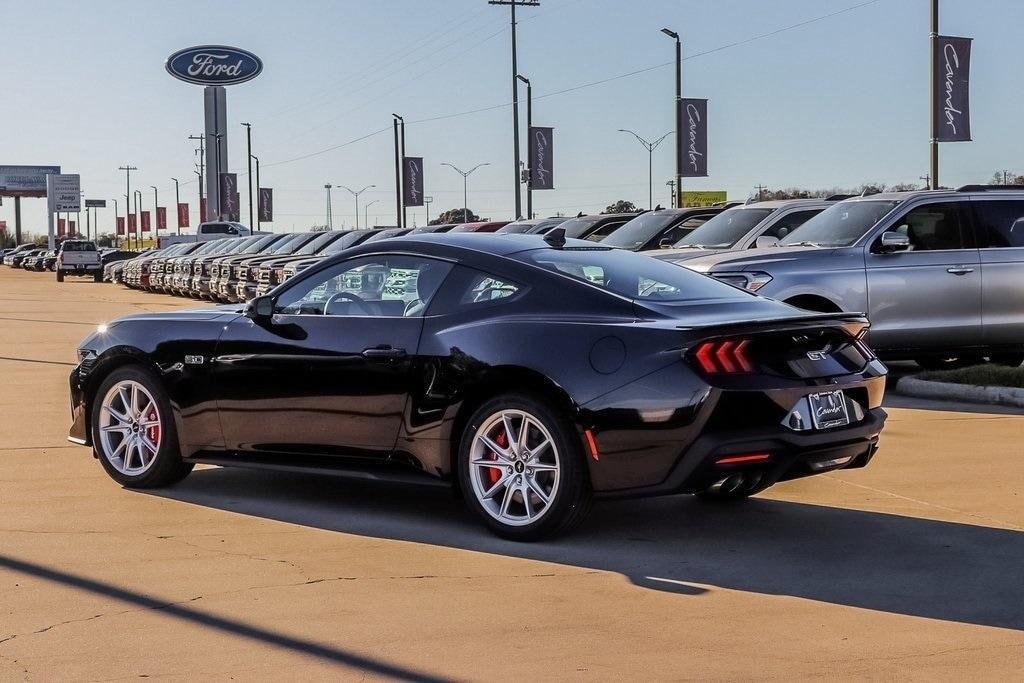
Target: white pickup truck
(79, 257)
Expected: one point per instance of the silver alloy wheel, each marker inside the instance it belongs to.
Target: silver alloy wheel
(514, 467)
(130, 428)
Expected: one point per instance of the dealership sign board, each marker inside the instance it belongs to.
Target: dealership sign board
(703, 197)
(64, 191)
(95, 203)
(25, 181)
(214, 65)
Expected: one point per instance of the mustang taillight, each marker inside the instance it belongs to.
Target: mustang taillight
(724, 356)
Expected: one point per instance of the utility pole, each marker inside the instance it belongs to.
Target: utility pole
(671, 192)
(760, 192)
(650, 146)
(934, 173)
(127, 168)
(529, 126)
(201, 170)
(927, 181)
(330, 221)
(679, 116)
(398, 172)
(248, 153)
(515, 93)
(177, 202)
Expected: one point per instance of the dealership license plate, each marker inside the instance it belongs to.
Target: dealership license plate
(828, 409)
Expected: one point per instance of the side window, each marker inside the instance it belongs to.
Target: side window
(604, 231)
(933, 227)
(379, 286)
(1000, 223)
(790, 222)
(681, 230)
(215, 229)
(467, 288)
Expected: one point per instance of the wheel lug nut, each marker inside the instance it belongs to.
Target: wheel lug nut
(529, 470)
(510, 470)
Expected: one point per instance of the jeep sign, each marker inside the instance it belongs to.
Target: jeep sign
(214, 65)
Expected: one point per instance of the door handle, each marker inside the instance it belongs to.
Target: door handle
(959, 270)
(383, 353)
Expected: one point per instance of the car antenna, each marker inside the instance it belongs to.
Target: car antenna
(555, 238)
(580, 215)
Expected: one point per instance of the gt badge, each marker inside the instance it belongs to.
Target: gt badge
(194, 360)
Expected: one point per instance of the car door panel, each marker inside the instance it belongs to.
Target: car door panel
(307, 384)
(927, 296)
(1000, 225)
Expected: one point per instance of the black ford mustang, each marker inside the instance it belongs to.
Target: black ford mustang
(530, 372)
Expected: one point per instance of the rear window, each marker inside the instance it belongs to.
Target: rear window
(78, 246)
(630, 274)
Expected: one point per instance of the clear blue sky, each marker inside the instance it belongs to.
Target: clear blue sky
(837, 102)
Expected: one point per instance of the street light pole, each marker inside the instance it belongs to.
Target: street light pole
(529, 125)
(679, 115)
(115, 221)
(201, 170)
(330, 222)
(427, 202)
(257, 160)
(465, 183)
(398, 173)
(366, 209)
(177, 203)
(650, 147)
(127, 168)
(137, 197)
(934, 151)
(220, 170)
(356, 195)
(248, 152)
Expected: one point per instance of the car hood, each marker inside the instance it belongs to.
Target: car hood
(677, 255)
(751, 259)
(196, 315)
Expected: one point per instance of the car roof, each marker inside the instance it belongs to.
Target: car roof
(496, 243)
(785, 203)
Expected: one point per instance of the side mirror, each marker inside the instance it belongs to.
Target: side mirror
(665, 243)
(766, 241)
(260, 308)
(894, 241)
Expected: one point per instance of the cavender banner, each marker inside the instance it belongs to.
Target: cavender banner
(161, 218)
(692, 120)
(266, 205)
(412, 181)
(144, 215)
(952, 107)
(230, 207)
(120, 225)
(182, 215)
(542, 166)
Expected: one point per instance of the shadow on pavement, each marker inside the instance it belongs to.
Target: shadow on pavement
(203, 618)
(891, 563)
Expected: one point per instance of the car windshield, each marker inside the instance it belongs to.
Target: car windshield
(347, 240)
(578, 227)
(255, 245)
(725, 230)
(316, 244)
(519, 227)
(287, 245)
(630, 274)
(640, 230)
(840, 225)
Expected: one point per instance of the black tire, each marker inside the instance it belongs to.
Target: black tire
(60, 275)
(573, 497)
(97, 277)
(1012, 360)
(167, 467)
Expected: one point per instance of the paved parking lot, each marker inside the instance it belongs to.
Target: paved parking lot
(911, 568)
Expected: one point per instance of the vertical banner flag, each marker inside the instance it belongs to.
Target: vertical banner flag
(182, 215)
(132, 224)
(952, 77)
(71, 228)
(120, 225)
(202, 210)
(145, 221)
(266, 204)
(693, 122)
(542, 168)
(161, 218)
(228, 193)
(235, 208)
(412, 182)
(61, 227)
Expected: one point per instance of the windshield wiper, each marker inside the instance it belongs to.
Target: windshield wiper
(799, 244)
(691, 246)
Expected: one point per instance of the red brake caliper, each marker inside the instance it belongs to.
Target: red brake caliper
(493, 475)
(153, 432)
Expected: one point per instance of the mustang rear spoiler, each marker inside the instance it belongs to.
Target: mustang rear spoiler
(854, 323)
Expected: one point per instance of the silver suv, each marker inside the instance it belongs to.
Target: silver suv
(756, 224)
(940, 274)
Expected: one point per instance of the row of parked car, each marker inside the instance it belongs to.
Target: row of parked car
(940, 274)
(31, 257)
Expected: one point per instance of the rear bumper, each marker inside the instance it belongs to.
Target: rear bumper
(792, 455)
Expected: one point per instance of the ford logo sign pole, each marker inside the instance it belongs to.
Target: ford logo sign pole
(214, 66)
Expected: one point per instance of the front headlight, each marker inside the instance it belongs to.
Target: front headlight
(751, 281)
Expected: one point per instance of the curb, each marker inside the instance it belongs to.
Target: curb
(919, 388)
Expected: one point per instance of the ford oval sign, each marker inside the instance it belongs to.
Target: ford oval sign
(214, 65)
